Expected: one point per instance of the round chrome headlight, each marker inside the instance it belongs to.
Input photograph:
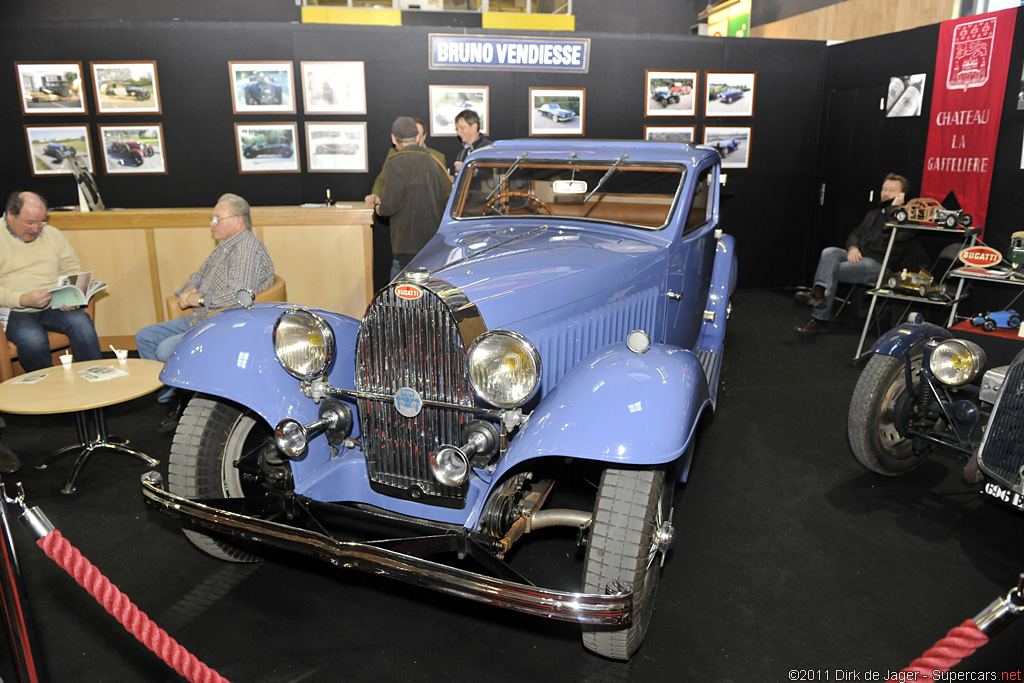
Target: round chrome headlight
(956, 361)
(504, 368)
(303, 343)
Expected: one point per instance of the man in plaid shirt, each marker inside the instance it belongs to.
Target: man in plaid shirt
(239, 261)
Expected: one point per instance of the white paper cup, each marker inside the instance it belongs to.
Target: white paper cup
(122, 356)
(66, 360)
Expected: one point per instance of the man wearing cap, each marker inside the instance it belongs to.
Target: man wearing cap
(413, 194)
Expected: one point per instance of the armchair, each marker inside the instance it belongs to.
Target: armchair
(275, 292)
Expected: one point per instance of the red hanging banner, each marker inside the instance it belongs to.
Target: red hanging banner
(971, 64)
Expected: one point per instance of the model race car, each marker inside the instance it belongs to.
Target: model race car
(537, 366)
(930, 212)
(996, 319)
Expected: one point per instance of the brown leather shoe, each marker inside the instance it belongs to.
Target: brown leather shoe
(813, 326)
(9, 460)
(812, 298)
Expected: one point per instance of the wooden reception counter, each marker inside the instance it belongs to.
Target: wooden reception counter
(144, 255)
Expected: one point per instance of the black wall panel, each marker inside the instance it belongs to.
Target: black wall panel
(198, 122)
(864, 66)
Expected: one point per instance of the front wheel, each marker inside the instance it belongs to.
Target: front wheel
(630, 531)
(212, 436)
(871, 425)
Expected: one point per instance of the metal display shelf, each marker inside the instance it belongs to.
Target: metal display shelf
(969, 238)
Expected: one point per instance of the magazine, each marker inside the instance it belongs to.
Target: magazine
(74, 290)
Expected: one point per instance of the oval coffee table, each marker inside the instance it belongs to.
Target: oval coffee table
(65, 390)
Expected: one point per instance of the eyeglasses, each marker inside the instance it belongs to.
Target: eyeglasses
(217, 220)
(33, 224)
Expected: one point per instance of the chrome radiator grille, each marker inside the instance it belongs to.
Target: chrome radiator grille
(1002, 453)
(415, 344)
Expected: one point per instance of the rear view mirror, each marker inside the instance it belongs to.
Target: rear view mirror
(569, 186)
(245, 298)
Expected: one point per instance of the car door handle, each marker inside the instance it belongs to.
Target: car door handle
(672, 295)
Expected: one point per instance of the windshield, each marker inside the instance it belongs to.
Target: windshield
(638, 195)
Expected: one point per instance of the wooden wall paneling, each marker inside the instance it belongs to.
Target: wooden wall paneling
(856, 19)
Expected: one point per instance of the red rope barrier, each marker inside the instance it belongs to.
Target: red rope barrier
(959, 643)
(121, 608)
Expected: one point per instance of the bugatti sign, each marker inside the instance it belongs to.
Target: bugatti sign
(981, 257)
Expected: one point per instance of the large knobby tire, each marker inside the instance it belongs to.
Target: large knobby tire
(871, 426)
(211, 436)
(631, 510)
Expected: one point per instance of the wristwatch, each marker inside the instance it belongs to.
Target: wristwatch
(202, 299)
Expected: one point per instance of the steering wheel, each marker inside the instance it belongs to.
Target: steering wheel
(511, 193)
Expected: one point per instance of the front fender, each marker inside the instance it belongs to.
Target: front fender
(899, 340)
(618, 407)
(231, 355)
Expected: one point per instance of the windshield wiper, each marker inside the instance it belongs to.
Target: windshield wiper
(605, 177)
(509, 172)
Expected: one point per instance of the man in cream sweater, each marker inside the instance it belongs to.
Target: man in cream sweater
(32, 256)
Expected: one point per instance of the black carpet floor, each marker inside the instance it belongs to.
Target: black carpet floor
(788, 556)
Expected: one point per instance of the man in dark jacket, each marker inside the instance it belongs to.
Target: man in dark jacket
(860, 261)
(413, 195)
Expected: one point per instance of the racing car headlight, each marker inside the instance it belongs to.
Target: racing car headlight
(303, 343)
(956, 361)
(504, 368)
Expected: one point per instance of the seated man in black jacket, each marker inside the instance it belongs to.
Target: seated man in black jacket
(860, 261)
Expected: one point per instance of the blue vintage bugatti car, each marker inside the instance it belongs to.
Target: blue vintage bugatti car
(543, 363)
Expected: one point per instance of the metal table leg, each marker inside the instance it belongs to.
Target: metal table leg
(87, 445)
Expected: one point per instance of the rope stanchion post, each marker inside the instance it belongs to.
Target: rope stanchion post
(17, 616)
(113, 600)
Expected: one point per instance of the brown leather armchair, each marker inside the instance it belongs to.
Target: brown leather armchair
(59, 343)
(275, 292)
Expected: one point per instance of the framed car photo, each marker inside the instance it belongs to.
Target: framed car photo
(133, 149)
(48, 145)
(333, 87)
(51, 87)
(671, 93)
(557, 111)
(267, 147)
(336, 147)
(729, 94)
(669, 133)
(732, 143)
(447, 101)
(125, 87)
(262, 87)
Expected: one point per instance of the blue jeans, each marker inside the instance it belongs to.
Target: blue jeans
(833, 268)
(28, 332)
(156, 342)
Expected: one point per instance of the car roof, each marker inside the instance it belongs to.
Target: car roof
(596, 150)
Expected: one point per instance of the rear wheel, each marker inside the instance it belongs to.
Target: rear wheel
(630, 531)
(871, 424)
(212, 436)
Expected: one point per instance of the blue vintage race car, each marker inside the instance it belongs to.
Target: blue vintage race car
(561, 334)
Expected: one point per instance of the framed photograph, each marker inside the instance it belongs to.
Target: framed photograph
(137, 148)
(669, 133)
(262, 87)
(126, 87)
(333, 87)
(51, 87)
(906, 93)
(732, 143)
(48, 145)
(557, 111)
(446, 101)
(729, 93)
(267, 147)
(336, 147)
(671, 93)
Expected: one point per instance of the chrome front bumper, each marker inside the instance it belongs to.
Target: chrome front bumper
(613, 609)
